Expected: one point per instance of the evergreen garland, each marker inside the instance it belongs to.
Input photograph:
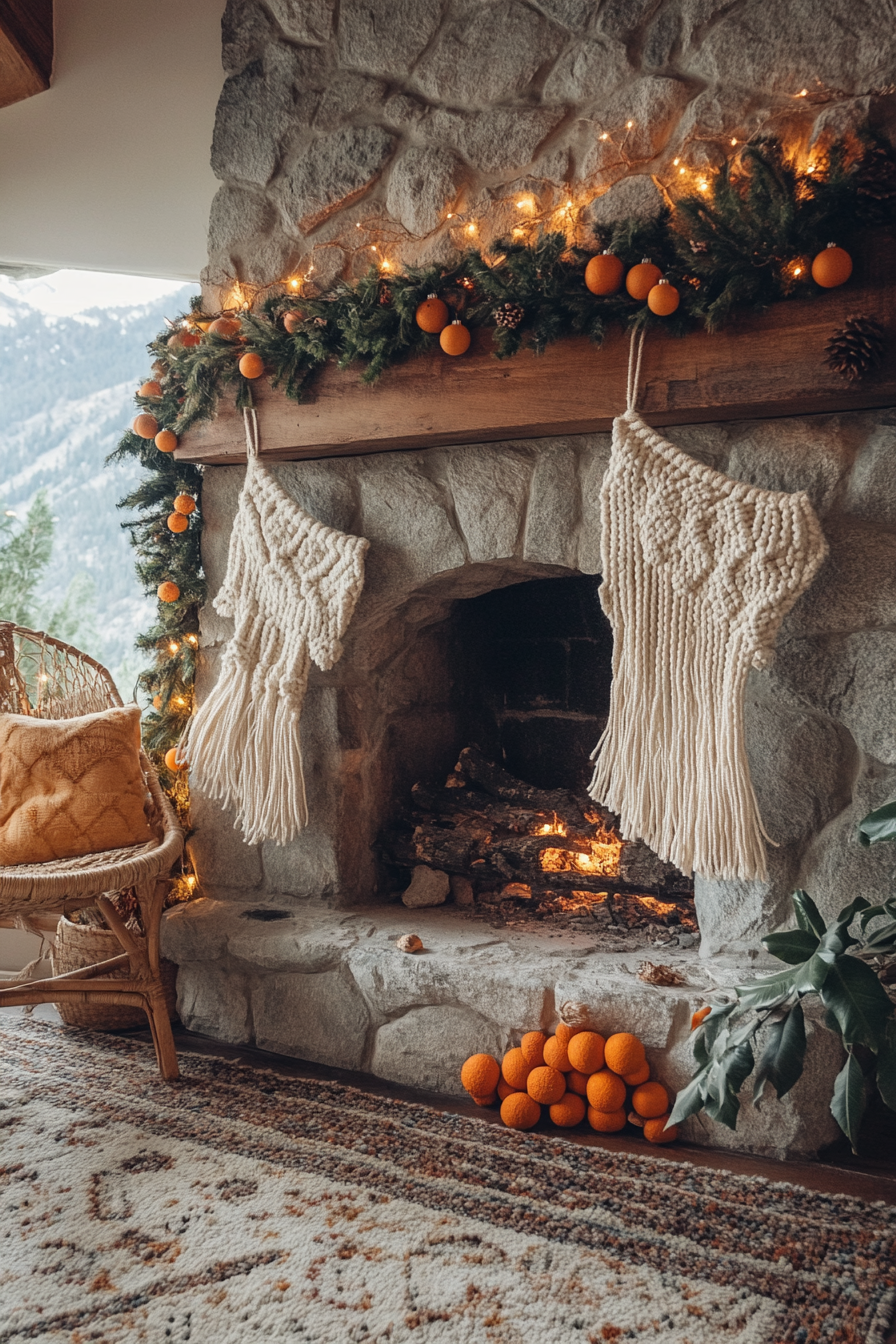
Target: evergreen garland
(742, 244)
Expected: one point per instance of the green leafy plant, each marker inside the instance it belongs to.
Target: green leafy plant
(841, 963)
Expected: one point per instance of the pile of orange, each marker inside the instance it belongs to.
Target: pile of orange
(573, 1074)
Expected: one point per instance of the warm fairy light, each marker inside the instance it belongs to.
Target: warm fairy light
(357, 226)
(471, 228)
(676, 162)
(192, 639)
(518, 232)
(294, 284)
(43, 677)
(733, 141)
(373, 247)
(797, 270)
(450, 214)
(703, 185)
(802, 93)
(629, 125)
(810, 168)
(179, 700)
(190, 880)
(526, 203)
(681, 172)
(605, 136)
(173, 647)
(385, 265)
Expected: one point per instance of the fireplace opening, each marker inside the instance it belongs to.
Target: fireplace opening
(505, 815)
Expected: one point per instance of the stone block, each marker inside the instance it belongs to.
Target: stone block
(423, 184)
(298, 944)
(346, 96)
(836, 867)
(321, 1018)
(306, 21)
(854, 588)
(196, 931)
(385, 37)
(222, 858)
(871, 491)
(333, 170)
(498, 141)
(246, 29)
(636, 196)
(589, 69)
(253, 114)
(594, 460)
(426, 1048)
(654, 104)
(487, 54)
(811, 453)
(490, 485)
(327, 490)
(427, 887)
(555, 507)
(214, 1001)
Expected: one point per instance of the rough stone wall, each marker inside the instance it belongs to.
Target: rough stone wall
(446, 524)
(341, 127)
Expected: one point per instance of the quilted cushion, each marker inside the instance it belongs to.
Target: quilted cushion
(70, 786)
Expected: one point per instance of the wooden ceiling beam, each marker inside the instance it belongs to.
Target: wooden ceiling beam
(26, 48)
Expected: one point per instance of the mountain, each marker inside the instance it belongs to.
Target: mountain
(66, 394)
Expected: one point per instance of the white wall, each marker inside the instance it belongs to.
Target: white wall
(108, 170)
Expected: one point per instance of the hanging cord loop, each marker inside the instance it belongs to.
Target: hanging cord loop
(635, 354)
(250, 422)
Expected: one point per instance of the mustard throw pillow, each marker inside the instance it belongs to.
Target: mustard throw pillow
(70, 786)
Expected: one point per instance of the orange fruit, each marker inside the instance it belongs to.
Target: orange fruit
(168, 591)
(603, 274)
(586, 1051)
(639, 1076)
(150, 389)
(655, 1131)
(177, 522)
(832, 267)
(455, 338)
(505, 1090)
(532, 1046)
(145, 426)
(650, 1100)
(624, 1053)
(224, 326)
(605, 1091)
(568, 1111)
(171, 760)
(642, 278)
(565, 1033)
(251, 365)
(663, 299)
(515, 1070)
(546, 1085)
(485, 1101)
(577, 1082)
(479, 1075)
(166, 442)
(606, 1122)
(555, 1055)
(432, 315)
(519, 1111)
(698, 1018)
(185, 504)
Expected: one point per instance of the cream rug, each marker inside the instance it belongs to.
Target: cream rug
(240, 1206)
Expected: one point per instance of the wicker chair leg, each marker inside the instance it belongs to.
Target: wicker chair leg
(151, 898)
(162, 1037)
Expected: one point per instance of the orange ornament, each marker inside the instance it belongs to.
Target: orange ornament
(166, 442)
(603, 274)
(150, 389)
(177, 522)
(519, 1111)
(606, 1122)
(698, 1018)
(568, 1111)
(146, 426)
(624, 1053)
(586, 1051)
(504, 1090)
(577, 1082)
(251, 365)
(168, 591)
(639, 1076)
(546, 1085)
(189, 338)
(565, 1033)
(650, 1100)
(455, 338)
(555, 1055)
(832, 267)
(171, 761)
(515, 1070)
(480, 1074)
(663, 298)
(185, 504)
(605, 1091)
(642, 278)
(292, 321)
(157, 702)
(225, 327)
(485, 1101)
(432, 315)
(532, 1046)
(655, 1131)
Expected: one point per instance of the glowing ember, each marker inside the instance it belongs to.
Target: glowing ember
(581, 900)
(657, 907)
(601, 860)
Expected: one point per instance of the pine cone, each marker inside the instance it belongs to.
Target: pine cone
(385, 296)
(856, 348)
(876, 175)
(509, 315)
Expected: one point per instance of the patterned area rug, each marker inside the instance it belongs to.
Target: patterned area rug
(241, 1206)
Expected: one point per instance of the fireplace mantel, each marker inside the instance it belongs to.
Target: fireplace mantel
(765, 365)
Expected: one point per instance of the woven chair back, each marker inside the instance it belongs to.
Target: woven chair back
(46, 678)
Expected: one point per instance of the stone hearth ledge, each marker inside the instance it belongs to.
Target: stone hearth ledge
(331, 987)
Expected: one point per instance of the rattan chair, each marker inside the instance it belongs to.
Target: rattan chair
(45, 678)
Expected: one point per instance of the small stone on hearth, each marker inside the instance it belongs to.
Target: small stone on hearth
(409, 942)
(461, 889)
(428, 887)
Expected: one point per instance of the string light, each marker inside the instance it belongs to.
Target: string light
(681, 172)
(803, 93)
(471, 228)
(629, 125)
(173, 647)
(605, 136)
(192, 639)
(733, 141)
(294, 284)
(676, 162)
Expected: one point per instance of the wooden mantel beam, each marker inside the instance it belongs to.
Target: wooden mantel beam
(771, 364)
(26, 48)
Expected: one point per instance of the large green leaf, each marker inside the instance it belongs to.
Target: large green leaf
(770, 990)
(784, 1055)
(872, 912)
(886, 1066)
(848, 1102)
(726, 1077)
(857, 1000)
(808, 915)
(793, 945)
(690, 1099)
(879, 825)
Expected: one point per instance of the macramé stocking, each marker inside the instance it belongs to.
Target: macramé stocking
(291, 587)
(698, 573)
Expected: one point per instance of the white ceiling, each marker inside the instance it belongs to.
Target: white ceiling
(108, 170)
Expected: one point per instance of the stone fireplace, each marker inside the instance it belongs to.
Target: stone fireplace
(325, 124)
